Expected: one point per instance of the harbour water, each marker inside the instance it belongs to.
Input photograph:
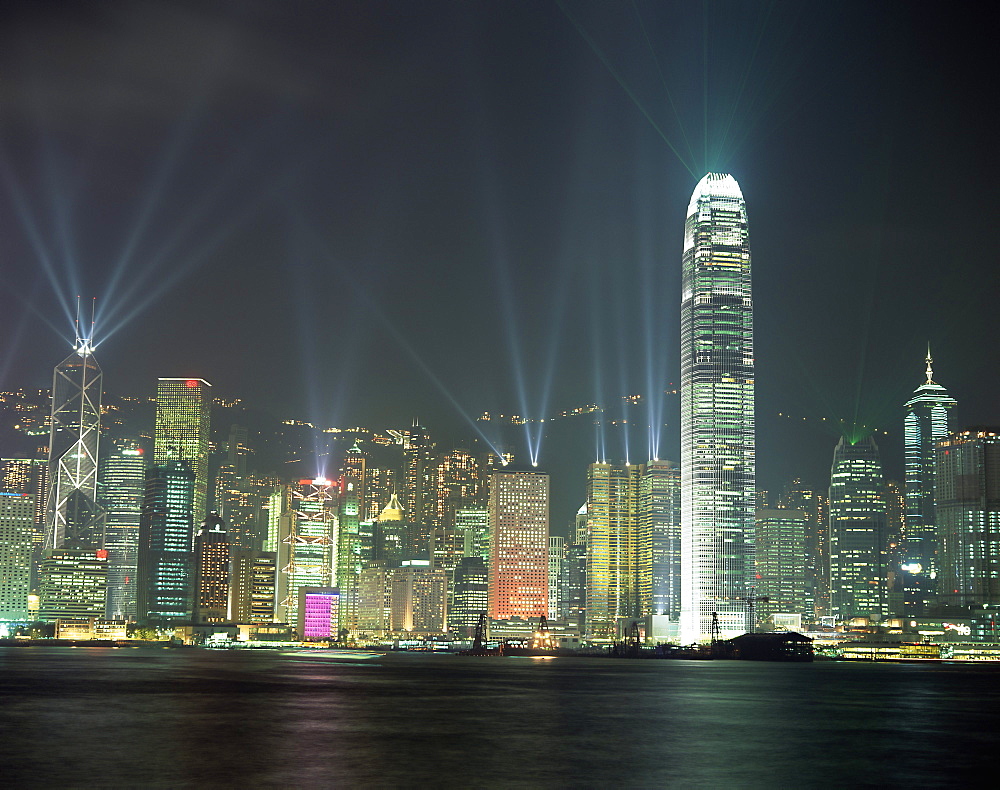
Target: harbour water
(155, 717)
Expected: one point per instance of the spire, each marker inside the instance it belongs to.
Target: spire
(393, 511)
(929, 360)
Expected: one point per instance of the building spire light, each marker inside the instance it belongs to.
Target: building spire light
(929, 360)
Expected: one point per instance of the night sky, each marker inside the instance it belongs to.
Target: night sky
(358, 213)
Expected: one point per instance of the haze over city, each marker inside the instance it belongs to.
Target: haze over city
(359, 214)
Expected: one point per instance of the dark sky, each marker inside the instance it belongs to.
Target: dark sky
(356, 213)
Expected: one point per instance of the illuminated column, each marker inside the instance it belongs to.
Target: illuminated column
(717, 411)
(519, 544)
(182, 431)
(73, 519)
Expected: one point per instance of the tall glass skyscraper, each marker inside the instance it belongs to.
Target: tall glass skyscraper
(858, 531)
(72, 517)
(717, 412)
(122, 493)
(182, 431)
(925, 424)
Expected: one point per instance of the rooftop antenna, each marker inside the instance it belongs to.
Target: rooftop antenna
(929, 360)
(77, 343)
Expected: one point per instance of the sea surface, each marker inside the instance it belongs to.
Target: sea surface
(153, 717)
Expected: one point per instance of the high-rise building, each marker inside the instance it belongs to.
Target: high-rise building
(390, 535)
(557, 548)
(781, 563)
(470, 597)
(858, 531)
(519, 544)
(967, 481)
(418, 477)
(252, 591)
(17, 518)
(73, 584)
(573, 589)
(925, 424)
(307, 552)
(354, 549)
(29, 476)
(183, 423)
(798, 496)
(374, 599)
(211, 571)
(660, 517)
(614, 546)
(121, 491)
(166, 542)
(73, 517)
(318, 611)
(717, 411)
(380, 486)
(473, 524)
(456, 484)
(419, 598)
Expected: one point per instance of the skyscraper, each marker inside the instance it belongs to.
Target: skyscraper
(660, 514)
(858, 531)
(781, 563)
(968, 517)
(73, 518)
(166, 541)
(252, 590)
(121, 493)
(717, 411)
(211, 571)
(925, 424)
(17, 515)
(519, 544)
(182, 431)
(307, 552)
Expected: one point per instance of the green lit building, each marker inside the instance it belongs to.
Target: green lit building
(183, 408)
(17, 518)
(781, 560)
(121, 492)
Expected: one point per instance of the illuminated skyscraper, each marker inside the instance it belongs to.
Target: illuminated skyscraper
(307, 552)
(418, 595)
(519, 544)
(29, 476)
(968, 517)
(390, 535)
(121, 493)
(73, 584)
(17, 516)
(781, 563)
(717, 411)
(73, 518)
(471, 595)
(858, 531)
(660, 517)
(166, 542)
(211, 571)
(816, 506)
(182, 431)
(925, 424)
(252, 591)
(613, 566)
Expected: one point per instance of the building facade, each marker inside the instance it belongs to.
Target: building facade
(183, 424)
(17, 519)
(211, 571)
(254, 582)
(781, 560)
(519, 544)
(121, 493)
(858, 531)
(717, 411)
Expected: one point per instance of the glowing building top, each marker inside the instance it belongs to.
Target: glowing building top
(717, 412)
(393, 511)
(182, 431)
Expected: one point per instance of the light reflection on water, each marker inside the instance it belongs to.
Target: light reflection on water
(194, 718)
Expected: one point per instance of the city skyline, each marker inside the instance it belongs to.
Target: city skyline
(463, 191)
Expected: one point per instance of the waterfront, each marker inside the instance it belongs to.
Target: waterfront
(195, 718)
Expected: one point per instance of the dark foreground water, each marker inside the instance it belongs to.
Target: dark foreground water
(193, 718)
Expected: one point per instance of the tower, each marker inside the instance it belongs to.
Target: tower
(307, 552)
(858, 531)
(925, 424)
(182, 431)
(121, 493)
(72, 517)
(17, 515)
(166, 539)
(660, 512)
(211, 571)
(717, 411)
(519, 544)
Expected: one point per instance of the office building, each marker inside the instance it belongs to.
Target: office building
(121, 492)
(660, 519)
(73, 584)
(519, 543)
(858, 531)
(253, 586)
(781, 564)
(470, 595)
(72, 516)
(374, 599)
(925, 424)
(816, 506)
(17, 519)
(418, 598)
(557, 547)
(717, 411)
(307, 550)
(211, 571)
(182, 431)
(967, 480)
(318, 612)
(166, 543)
